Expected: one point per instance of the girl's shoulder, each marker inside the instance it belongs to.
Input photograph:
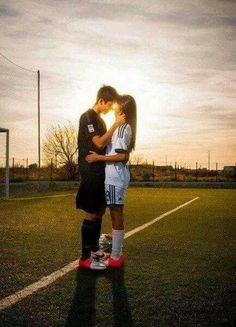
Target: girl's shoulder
(121, 130)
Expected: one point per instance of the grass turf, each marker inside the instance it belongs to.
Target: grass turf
(179, 271)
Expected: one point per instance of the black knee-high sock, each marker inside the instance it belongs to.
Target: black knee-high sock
(88, 235)
(97, 234)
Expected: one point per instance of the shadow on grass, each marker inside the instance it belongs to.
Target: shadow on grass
(83, 312)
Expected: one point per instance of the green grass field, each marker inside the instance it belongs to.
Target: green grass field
(179, 271)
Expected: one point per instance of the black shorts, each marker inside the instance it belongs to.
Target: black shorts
(91, 194)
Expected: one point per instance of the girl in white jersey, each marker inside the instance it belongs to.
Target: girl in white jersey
(117, 174)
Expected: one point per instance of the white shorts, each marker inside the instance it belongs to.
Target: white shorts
(114, 195)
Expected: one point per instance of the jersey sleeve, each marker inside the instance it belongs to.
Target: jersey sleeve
(123, 139)
(89, 126)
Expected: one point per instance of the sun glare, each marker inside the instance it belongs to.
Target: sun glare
(109, 118)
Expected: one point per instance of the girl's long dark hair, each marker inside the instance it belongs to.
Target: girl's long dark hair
(128, 107)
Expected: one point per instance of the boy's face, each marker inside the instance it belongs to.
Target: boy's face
(105, 106)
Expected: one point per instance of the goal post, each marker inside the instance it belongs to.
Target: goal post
(4, 130)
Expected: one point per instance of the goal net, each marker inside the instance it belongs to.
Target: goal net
(18, 114)
(4, 164)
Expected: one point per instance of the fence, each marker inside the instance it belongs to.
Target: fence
(160, 173)
(23, 170)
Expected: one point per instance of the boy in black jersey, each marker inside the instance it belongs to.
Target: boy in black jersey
(93, 136)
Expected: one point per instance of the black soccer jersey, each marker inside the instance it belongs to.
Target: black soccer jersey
(91, 124)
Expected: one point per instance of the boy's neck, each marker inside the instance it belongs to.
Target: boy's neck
(97, 109)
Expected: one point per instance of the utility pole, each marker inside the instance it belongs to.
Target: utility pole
(216, 171)
(39, 146)
(196, 171)
(209, 159)
(27, 168)
(175, 171)
(153, 171)
(13, 168)
(7, 164)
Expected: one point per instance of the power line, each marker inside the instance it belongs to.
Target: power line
(29, 70)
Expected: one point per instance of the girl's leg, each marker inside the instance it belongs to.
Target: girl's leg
(118, 232)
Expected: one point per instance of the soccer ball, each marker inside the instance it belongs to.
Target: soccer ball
(105, 242)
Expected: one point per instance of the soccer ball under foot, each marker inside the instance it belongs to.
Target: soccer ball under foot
(105, 242)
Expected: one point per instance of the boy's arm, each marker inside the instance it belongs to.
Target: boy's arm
(103, 140)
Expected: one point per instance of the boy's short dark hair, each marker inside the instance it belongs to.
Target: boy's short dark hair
(107, 93)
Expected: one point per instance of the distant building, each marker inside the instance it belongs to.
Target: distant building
(229, 170)
(164, 168)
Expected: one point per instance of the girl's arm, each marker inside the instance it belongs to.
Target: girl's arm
(119, 157)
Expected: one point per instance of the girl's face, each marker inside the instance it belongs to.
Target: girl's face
(117, 110)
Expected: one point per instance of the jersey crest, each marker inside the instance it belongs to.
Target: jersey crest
(90, 128)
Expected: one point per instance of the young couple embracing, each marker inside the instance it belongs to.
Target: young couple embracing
(103, 157)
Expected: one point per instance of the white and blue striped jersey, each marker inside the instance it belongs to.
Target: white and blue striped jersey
(117, 173)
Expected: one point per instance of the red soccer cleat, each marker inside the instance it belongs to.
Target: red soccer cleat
(113, 263)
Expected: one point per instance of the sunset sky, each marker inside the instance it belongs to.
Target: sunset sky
(177, 58)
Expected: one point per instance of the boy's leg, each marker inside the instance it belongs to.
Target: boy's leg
(91, 199)
(98, 228)
(88, 234)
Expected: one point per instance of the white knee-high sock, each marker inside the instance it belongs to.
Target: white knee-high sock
(117, 241)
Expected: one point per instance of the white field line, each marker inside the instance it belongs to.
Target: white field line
(138, 229)
(41, 197)
(47, 280)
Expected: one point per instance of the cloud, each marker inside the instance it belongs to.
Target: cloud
(6, 11)
(207, 118)
(174, 58)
